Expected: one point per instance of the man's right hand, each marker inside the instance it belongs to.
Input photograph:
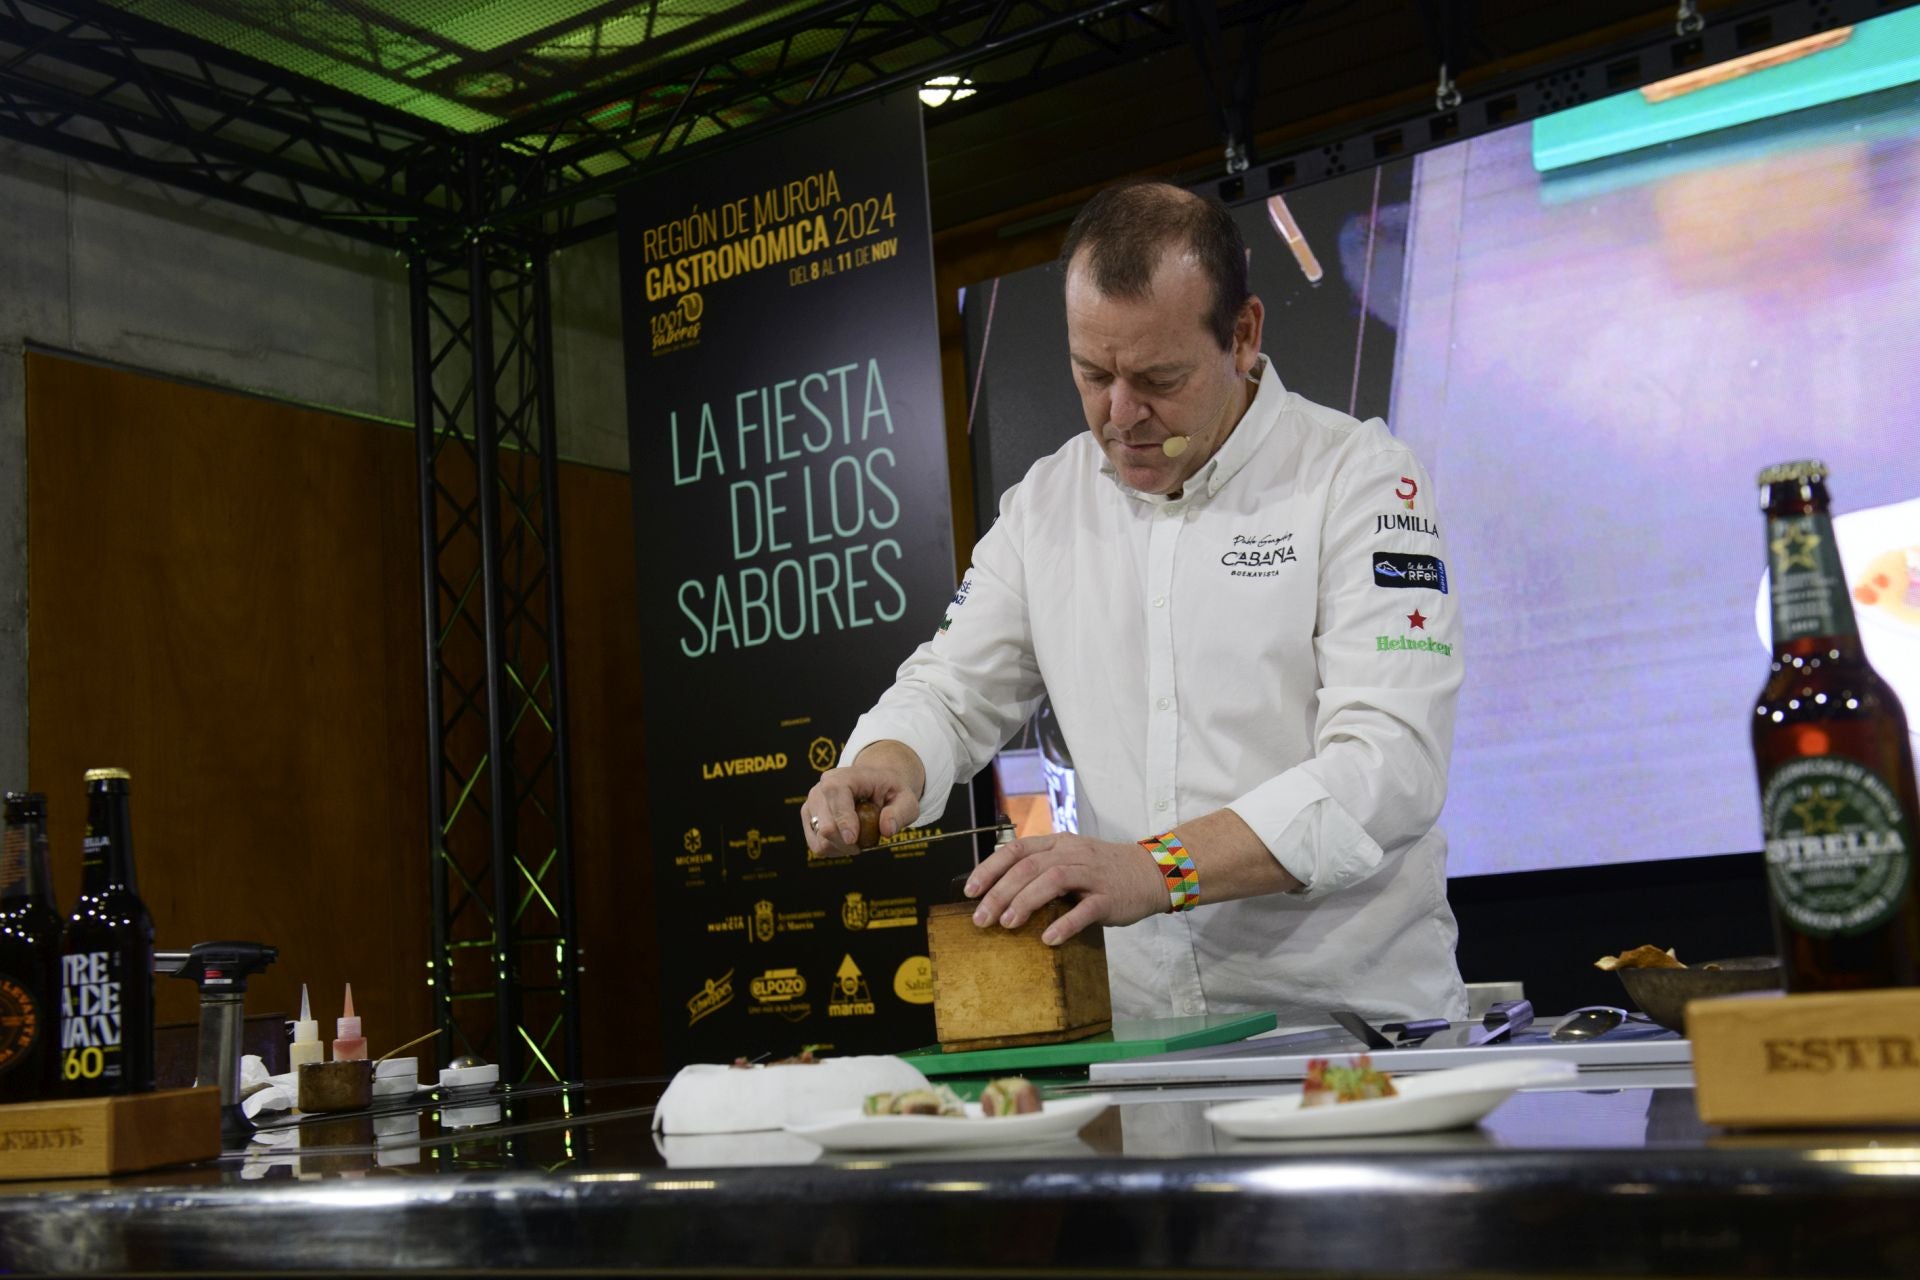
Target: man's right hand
(888, 774)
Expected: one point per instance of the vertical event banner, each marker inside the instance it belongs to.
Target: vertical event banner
(794, 540)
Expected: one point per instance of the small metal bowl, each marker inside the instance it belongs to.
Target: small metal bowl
(1662, 994)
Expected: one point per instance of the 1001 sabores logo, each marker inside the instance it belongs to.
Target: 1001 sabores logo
(677, 327)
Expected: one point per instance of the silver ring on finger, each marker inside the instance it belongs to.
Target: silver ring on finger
(813, 820)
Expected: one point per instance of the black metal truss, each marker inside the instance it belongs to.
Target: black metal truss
(113, 89)
(505, 972)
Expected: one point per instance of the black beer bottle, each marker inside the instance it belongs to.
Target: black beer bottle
(29, 955)
(106, 958)
(1837, 793)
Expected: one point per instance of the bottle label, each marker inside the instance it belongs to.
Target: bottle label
(1809, 586)
(20, 1023)
(1839, 854)
(90, 1016)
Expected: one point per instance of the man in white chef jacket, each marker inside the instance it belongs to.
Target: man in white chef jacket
(1238, 601)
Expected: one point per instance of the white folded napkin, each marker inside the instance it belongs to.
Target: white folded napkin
(262, 1092)
(708, 1098)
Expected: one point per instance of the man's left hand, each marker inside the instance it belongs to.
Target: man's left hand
(1113, 883)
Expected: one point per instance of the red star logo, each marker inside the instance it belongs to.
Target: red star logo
(1418, 620)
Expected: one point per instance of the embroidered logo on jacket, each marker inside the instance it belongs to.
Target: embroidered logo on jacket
(1426, 572)
(1258, 555)
(1412, 524)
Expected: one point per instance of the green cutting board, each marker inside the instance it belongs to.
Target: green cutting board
(1130, 1038)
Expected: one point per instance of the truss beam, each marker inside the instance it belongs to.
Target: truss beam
(113, 89)
(504, 962)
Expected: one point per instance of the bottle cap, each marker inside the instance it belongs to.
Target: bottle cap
(307, 1029)
(107, 775)
(1806, 471)
(347, 1026)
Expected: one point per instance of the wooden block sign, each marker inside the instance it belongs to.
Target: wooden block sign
(1849, 1058)
(82, 1137)
(995, 988)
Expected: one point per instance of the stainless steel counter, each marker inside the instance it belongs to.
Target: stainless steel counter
(1615, 1183)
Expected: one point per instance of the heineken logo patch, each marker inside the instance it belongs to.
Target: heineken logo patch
(1393, 644)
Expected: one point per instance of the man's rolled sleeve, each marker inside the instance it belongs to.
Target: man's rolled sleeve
(1310, 835)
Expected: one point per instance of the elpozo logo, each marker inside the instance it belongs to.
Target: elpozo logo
(717, 994)
(678, 327)
(780, 991)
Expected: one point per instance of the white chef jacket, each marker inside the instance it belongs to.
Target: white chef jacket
(1280, 640)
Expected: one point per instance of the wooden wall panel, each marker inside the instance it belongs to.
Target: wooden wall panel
(613, 867)
(224, 598)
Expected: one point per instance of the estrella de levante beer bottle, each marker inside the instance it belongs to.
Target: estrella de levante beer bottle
(1837, 794)
(106, 957)
(29, 955)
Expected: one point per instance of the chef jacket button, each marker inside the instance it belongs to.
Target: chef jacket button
(1163, 704)
(1160, 804)
(1159, 602)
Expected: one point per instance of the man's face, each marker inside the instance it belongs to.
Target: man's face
(1148, 369)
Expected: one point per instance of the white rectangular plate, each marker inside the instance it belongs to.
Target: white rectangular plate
(1424, 1103)
(852, 1131)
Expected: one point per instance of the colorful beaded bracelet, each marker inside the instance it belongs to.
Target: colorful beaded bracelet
(1176, 865)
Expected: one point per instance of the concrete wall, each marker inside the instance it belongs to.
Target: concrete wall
(123, 270)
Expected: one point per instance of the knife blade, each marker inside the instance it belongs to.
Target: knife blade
(1500, 1022)
(1360, 1028)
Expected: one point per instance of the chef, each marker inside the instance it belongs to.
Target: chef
(1238, 601)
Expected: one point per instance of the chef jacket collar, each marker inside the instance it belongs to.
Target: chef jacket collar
(1245, 441)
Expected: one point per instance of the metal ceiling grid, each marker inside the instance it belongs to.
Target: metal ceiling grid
(87, 81)
(564, 100)
(465, 64)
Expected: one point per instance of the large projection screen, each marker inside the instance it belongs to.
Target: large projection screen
(1594, 364)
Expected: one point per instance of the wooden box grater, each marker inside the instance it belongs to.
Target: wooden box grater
(82, 1137)
(994, 988)
(1807, 1061)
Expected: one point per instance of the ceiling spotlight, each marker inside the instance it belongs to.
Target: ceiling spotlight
(941, 90)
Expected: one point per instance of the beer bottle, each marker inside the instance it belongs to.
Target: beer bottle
(1837, 794)
(29, 954)
(106, 958)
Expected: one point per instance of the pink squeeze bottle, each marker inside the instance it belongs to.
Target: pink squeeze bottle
(348, 1044)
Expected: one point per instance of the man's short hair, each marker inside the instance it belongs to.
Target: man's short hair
(1126, 228)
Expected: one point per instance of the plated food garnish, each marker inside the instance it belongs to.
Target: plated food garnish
(937, 1100)
(1357, 1080)
(1010, 1096)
